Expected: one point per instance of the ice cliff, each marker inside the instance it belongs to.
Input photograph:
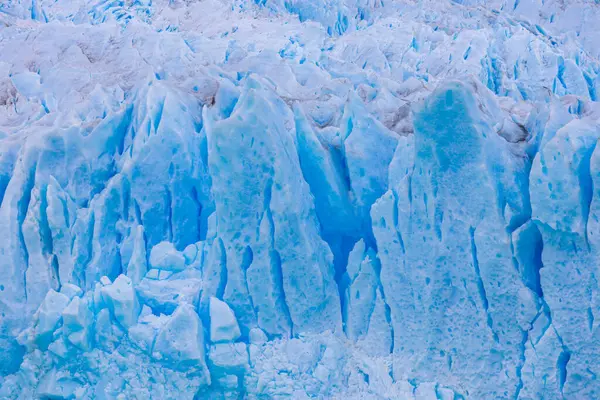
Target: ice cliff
(331, 199)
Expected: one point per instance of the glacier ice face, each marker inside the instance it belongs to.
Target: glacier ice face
(299, 199)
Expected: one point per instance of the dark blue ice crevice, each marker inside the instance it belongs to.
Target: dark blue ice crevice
(521, 363)
(560, 72)
(541, 30)
(125, 199)
(414, 44)
(388, 318)
(495, 73)
(4, 180)
(388, 310)
(88, 248)
(527, 254)
(278, 274)
(44, 227)
(561, 367)
(563, 358)
(341, 254)
(158, 113)
(467, 53)
(275, 261)
(124, 126)
(480, 284)
(169, 213)
(325, 169)
(46, 236)
(201, 223)
(22, 207)
(586, 185)
(395, 221)
(590, 84)
(528, 258)
(37, 13)
(223, 265)
(247, 259)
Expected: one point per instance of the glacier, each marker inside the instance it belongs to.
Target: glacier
(299, 199)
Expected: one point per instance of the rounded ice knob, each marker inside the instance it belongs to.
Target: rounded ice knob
(165, 256)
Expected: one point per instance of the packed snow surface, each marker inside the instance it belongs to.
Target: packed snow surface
(299, 199)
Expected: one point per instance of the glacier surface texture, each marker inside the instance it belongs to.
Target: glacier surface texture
(299, 199)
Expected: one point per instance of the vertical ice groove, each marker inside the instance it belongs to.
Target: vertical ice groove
(590, 83)
(275, 260)
(22, 208)
(89, 246)
(4, 180)
(169, 213)
(480, 284)
(137, 211)
(395, 219)
(223, 274)
(388, 311)
(561, 71)
(200, 234)
(246, 263)
(521, 363)
(586, 185)
(45, 231)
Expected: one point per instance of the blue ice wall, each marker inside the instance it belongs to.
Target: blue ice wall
(294, 200)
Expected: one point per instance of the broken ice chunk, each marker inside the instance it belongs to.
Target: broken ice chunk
(181, 341)
(144, 333)
(122, 301)
(57, 385)
(190, 253)
(70, 290)
(165, 256)
(223, 324)
(77, 318)
(257, 336)
(229, 356)
(107, 335)
(165, 295)
(48, 317)
(137, 267)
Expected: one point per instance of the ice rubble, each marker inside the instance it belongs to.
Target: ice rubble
(301, 199)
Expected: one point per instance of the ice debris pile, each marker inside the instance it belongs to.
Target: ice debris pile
(302, 199)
